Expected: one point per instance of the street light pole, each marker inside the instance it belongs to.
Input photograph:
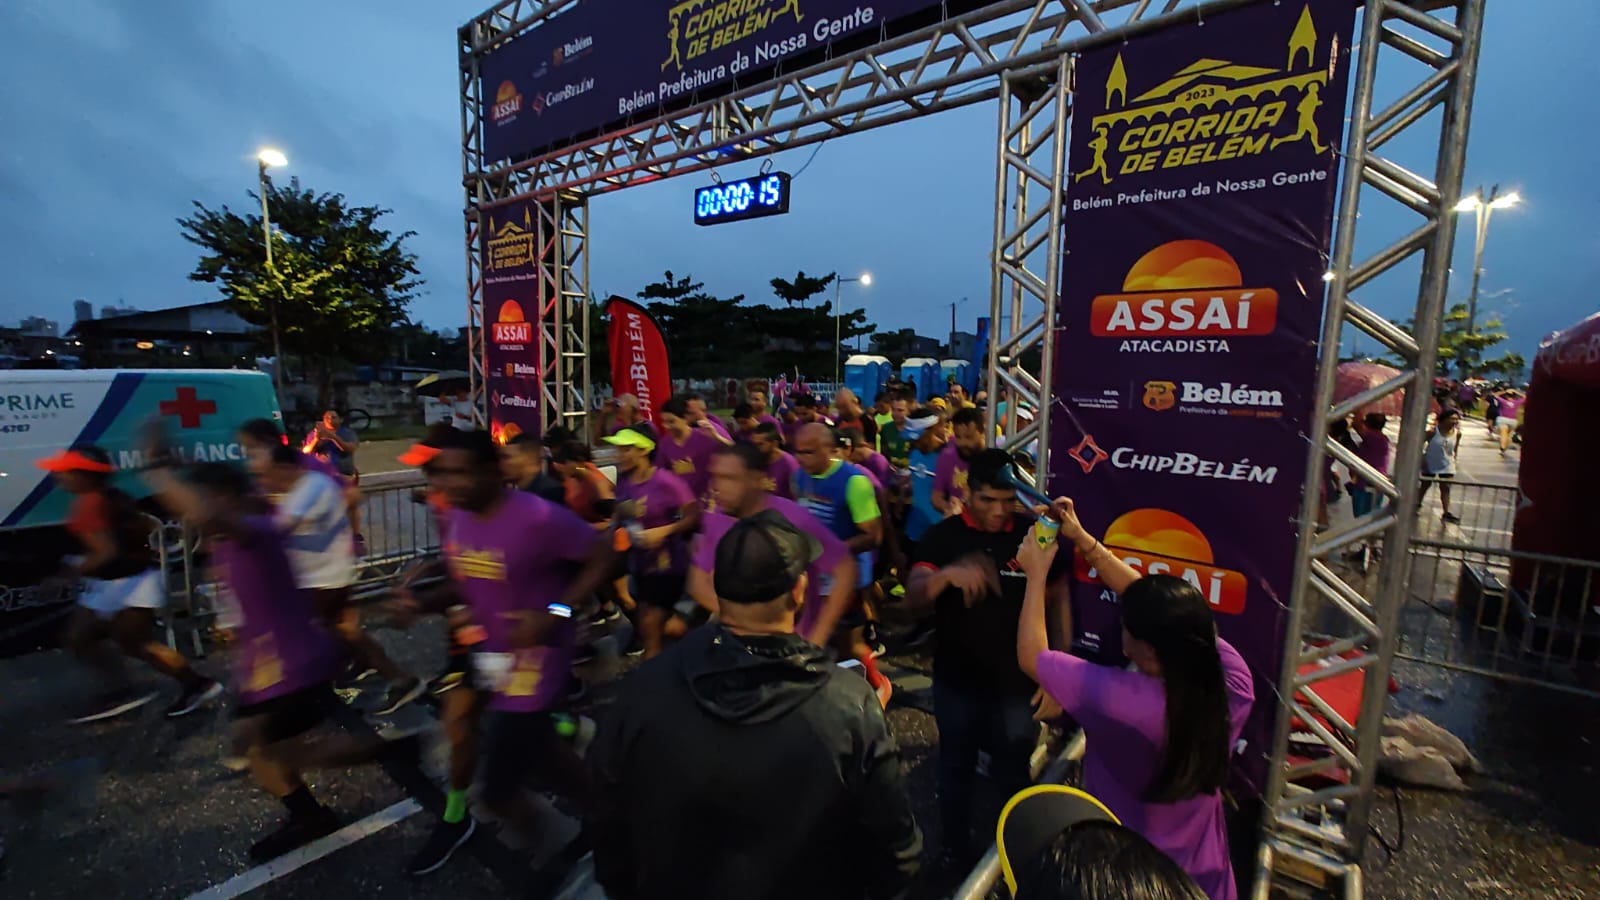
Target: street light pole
(270, 157)
(953, 305)
(865, 280)
(1484, 207)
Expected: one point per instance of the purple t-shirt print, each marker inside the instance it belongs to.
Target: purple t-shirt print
(950, 474)
(652, 503)
(1123, 715)
(520, 559)
(690, 460)
(282, 647)
(818, 574)
(778, 476)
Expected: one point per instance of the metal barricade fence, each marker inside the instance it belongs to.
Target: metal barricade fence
(398, 529)
(1476, 605)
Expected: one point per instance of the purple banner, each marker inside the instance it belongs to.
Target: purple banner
(602, 62)
(1203, 167)
(511, 320)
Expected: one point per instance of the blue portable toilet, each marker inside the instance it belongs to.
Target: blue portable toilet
(926, 373)
(866, 375)
(964, 374)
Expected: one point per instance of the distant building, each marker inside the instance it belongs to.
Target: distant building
(904, 344)
(112, 312)
(199, 335)
(37, 326)
(82, 310)
(964, 345)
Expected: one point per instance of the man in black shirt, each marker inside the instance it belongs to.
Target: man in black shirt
(966, 568)
(523, 462)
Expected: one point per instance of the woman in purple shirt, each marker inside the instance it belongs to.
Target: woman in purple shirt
(1158, 737)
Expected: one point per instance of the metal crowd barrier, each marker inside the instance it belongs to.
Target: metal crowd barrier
(985, 876)
(1527, 617)
(398, 531)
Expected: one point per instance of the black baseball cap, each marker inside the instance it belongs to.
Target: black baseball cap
(761, 558)
(1032, 819)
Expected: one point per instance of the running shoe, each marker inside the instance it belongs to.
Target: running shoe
(360, 545)
(115, 704)
(605, 615)
(446, 839)
(236, 764)
(354, 675)
(296, 832)
(399, 695)
(446, 683)
(635, 646)
(584, 655)
(194, 697)
(1452, 518)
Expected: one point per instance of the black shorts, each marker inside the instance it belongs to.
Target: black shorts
(331, 603)
(516, 745)
(659, 591)
(291, 714)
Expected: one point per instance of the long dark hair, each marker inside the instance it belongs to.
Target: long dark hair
(1172, 616)
(1102, 861)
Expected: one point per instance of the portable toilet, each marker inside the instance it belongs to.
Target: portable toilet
(866, 375)
(925, 372)
(962, 371)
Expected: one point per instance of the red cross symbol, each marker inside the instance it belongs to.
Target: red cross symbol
(188, 407)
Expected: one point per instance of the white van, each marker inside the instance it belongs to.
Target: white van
(43, 411)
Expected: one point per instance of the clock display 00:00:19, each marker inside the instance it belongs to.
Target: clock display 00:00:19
(747, 198)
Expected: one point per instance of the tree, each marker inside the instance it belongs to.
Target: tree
(340, 281)
(802, 288)
(710, 336)
(1463, 352)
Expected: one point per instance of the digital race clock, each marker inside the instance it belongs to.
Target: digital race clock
(747, 198)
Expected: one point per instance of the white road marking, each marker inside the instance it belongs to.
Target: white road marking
(268, 872)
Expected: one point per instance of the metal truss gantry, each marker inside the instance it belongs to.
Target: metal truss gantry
(1030, 187)
(1019, 51)
(1318, 808)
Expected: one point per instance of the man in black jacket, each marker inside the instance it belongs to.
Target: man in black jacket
(743, 763)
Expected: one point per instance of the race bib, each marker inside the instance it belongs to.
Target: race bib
(494, 669)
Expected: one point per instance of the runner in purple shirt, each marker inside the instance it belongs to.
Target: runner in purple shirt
(968, 439)
(760, 408)
(660, 513)
(862, 454)
(285, 662)
(806, 411)
(1159, 737)
(777, 466)
(738, 492)
(700, 417)
(683, 449)
(521, 564)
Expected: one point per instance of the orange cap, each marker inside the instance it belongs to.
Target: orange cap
(75, 461)
(418, 455)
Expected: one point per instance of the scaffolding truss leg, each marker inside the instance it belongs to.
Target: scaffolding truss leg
(1317, 811)
(1029, 190)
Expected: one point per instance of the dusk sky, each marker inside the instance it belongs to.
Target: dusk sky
(116, 115)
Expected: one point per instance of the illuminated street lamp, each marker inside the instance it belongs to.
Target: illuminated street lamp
(1484, 206)
(265, 158)
(865, 280)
